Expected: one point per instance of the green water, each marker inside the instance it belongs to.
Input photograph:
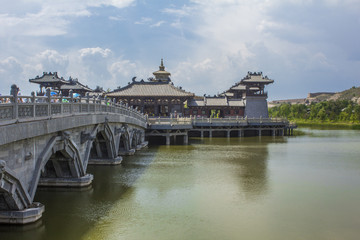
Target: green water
(305, 187)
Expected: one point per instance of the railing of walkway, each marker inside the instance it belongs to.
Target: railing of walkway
(15, 107)
(170, 121)
(195, 120)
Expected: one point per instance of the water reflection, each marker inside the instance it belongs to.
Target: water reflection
(253, 175)
(71, 212)
(302, 187)
(246, 160)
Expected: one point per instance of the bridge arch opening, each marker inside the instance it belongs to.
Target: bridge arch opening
(134, 141)
(124, 143)
(59, 165)
(101, 147)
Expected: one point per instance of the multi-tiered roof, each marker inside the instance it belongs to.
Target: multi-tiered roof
(160, 86)
(53, 81)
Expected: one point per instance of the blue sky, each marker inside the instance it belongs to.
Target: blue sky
(207, 45)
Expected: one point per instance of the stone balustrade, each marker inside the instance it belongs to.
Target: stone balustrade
(16, 108)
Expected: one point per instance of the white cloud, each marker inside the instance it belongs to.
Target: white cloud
(144, 20)
(117, 18)
(179, 12)
(10, 72)
(51, 17)
(97, 52)
(158, 24)
(51, 60)
(122, 69)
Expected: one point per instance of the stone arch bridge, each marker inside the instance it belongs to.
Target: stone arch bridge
(50, 141)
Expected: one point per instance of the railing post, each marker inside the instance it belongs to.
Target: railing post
(99, 102)
(33, 103)
(71, 100)
(114, 105)
(94, 101)
(14, 92)
(87, 102)
(106, 102)
(48, 95)
(61, 103)
(80, 104)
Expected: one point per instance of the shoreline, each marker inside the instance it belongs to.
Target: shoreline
(328, 125)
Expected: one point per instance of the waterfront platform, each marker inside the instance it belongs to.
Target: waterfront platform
(222, 127)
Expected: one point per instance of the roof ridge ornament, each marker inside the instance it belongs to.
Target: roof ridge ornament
(162, 67)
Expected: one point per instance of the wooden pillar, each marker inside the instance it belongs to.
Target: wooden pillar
(274, 132)
(210, 133)
(186, 139)
(202, 133)
(228, 134)
(156, 110)
(259, 132)
(167, 139)
(240, 133)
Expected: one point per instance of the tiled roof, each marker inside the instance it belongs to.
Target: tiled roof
(236, 103)
(48, 77)
(76, 85)
(238, 87)
(256, 78)
(216, 102)
(151, 89)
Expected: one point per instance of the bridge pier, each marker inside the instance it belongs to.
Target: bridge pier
(83, 181)
(25, 216)
(110, 161)
(129, 152)
(16, 206)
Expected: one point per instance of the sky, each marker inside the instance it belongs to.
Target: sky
(207, 45)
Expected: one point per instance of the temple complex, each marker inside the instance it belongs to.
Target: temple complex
(157, 96)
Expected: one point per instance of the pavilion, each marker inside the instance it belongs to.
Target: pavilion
(156, 97)
(53, 81)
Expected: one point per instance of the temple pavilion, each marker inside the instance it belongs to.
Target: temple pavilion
(53, 81)
(156, 97)
(246, 98)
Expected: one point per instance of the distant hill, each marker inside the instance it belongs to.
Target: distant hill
(352, 94)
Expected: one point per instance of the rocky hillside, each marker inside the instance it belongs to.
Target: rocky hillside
(352, 94)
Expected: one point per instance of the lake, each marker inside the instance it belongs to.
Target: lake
(304, 187)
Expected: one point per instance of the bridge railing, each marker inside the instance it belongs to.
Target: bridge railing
(15, 107)
(170, 121)
(239, 120)
(226, 121)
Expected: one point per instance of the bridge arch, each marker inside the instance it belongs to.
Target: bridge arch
(103, 146)
(124, 145)
(133, 142)
(59, 162)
